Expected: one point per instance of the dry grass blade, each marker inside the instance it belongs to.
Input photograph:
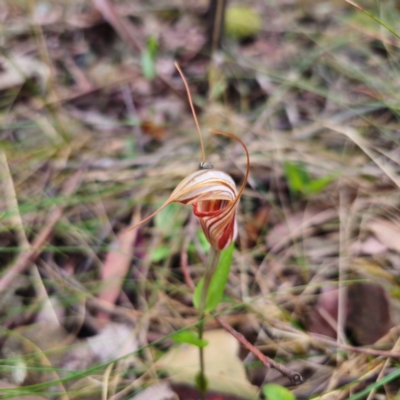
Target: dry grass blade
(25, 258)
(116, 265)
(313, 94)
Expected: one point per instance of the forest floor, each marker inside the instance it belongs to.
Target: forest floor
(96, 131)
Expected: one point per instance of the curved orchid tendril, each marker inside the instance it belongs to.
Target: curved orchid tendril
(203, 154)
(246, 176)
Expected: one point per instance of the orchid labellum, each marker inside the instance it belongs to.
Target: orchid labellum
(212, 194)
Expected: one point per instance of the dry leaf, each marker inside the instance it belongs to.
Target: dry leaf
(368, 316)
(40, 344)
(255, 225)
(113, 341)
(224, 370)
(371, 246)
(152, 129)
(323, 317)
(115, 267)
(159, 391)
(297, 225)
(15, 69)
(387, 232)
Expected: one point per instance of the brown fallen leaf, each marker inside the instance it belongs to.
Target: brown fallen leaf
(224, 369)
(323, 318)
(40, 344)
(370, 246)
(255, 225)
(297, 225)
(387, 232)
(152, 129)
(159, 391)
(115, 340)
(115, 268)
(368, 316)
(367, 313)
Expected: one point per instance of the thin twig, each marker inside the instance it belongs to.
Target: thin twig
(361, 350)
(295, 377)
(330, 342)
(25, 258)
(10, 195)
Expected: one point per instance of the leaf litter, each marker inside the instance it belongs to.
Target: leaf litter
(314, 88)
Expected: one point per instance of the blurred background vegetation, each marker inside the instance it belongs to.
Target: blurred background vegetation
(96, 132)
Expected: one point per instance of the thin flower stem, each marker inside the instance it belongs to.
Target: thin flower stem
(212, 263)
(295, 377)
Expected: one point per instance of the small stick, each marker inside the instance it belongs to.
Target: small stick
(294, 377)
(361, 350)
(323, 339)
(26, 257)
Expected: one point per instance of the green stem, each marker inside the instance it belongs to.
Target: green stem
(212, 263)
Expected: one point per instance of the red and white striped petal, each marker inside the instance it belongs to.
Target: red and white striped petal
(213, 196)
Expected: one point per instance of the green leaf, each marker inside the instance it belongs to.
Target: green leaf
(317, 185)
(299, 180)
(218, 282)
(204, 243)
(148, 58)
(160, 253)
(189, 337)
(376, 385)
(130, 147)
(148, 67)
(201, 382)
(169, 218)
(152, 45)
(296, 176)
(272, 391)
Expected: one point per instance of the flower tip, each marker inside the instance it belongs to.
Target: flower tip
(151, 215)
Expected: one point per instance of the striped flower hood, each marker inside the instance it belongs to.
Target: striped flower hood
(214, 198)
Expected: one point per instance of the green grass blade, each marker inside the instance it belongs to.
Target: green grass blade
(218, 282)
(376, 385)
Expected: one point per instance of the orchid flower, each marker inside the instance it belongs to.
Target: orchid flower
(212, 194)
